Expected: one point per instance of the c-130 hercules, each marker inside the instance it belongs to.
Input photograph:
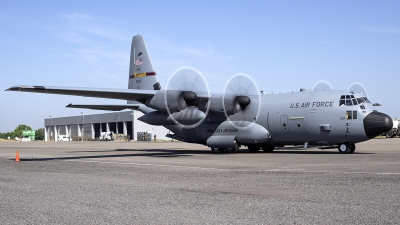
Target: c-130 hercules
(241, 115)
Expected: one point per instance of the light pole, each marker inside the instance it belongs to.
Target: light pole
(133, 130)
(83, 121)
(51, 127)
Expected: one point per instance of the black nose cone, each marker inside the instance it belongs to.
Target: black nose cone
(377, 123)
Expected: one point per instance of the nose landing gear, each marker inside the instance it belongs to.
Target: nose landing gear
(346, 148)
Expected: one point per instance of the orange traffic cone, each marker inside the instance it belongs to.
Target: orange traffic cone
(17, 156)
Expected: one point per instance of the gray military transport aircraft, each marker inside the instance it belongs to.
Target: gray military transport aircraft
(241, 115)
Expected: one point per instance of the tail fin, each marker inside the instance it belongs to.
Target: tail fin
(141, 71)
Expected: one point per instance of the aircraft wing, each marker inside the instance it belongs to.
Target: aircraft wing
(139, 107)
(122, 94)
(105, 107)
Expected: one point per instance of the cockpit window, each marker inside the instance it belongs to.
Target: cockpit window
(361, 101)
(353, 100)
(350, 100)
(342, 100)
(347, 100)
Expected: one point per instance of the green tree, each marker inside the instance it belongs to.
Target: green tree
(39, 134)
(18, 130)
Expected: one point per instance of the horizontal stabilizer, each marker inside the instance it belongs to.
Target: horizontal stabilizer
(122, 94)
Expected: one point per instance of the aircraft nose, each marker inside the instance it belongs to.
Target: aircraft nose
(377, 123)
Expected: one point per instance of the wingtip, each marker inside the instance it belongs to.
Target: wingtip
(15, 88)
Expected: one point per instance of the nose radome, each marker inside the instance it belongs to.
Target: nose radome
(377, 123)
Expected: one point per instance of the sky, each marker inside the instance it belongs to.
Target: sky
(282, 45)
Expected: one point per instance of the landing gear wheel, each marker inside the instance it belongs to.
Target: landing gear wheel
(345, 148)
(352, 148)
(253, 148)
(217, 150)
(268, 148)
(233, 150)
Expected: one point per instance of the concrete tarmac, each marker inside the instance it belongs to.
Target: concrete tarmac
(173, 182)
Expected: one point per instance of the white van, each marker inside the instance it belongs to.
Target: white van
(104, 136)
(63, 138)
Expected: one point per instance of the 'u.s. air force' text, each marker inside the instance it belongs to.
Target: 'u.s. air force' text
(312, 105)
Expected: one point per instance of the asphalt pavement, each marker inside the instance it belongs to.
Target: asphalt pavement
(180, 183)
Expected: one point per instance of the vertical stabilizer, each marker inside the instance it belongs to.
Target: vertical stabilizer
(141, 71)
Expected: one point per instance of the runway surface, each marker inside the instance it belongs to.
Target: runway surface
(169, 183)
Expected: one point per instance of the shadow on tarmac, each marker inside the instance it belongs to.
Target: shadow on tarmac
(146, 153)
(180, 152)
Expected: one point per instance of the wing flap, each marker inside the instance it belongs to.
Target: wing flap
(122, 94)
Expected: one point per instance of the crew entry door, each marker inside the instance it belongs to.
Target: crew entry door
(350, 107)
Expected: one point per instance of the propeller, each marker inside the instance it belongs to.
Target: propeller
(322, 85)
(357, 87)
(241, 101)
(187, 89)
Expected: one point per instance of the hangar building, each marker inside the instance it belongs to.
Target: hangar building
(91, 126)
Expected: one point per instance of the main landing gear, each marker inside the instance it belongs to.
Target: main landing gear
(227, 150)
(265, 148)
(346, 148)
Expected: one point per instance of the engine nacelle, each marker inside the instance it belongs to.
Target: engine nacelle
(189, 116)
(229, 103)
(174, 100)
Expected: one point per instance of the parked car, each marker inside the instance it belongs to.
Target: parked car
(104, 136)
(63, 138)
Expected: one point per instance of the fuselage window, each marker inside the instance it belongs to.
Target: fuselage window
(366, 100)
(349, 115)
(354, 115)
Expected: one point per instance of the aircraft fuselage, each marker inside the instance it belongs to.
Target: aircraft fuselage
(310, 117)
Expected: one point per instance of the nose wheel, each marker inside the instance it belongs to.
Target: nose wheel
(346, 148)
